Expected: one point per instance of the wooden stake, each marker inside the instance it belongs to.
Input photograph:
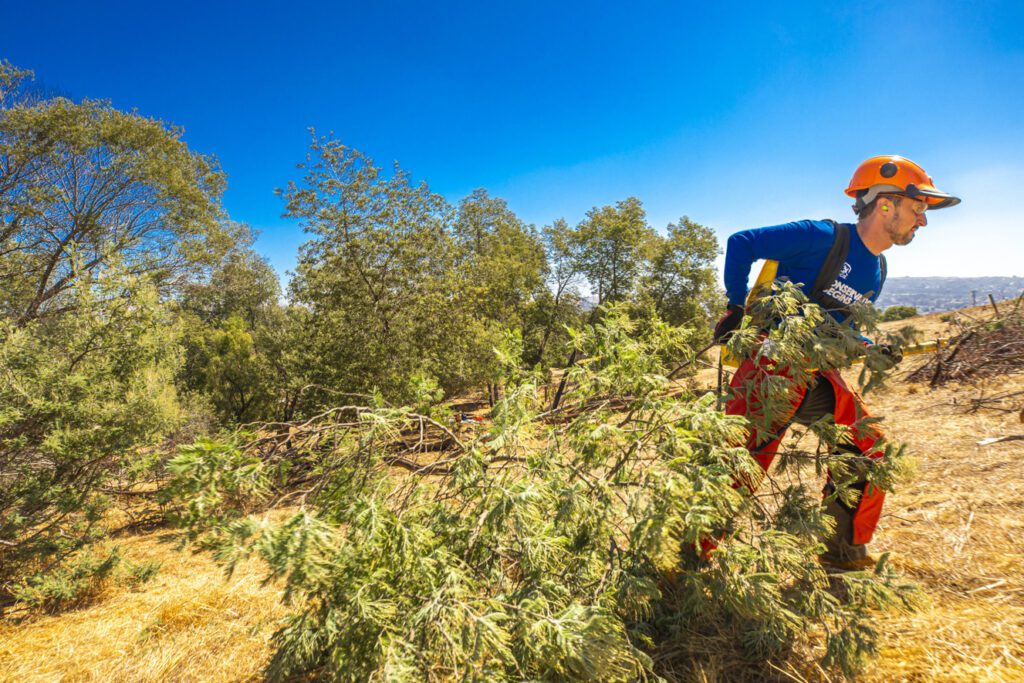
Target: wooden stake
(994, 307)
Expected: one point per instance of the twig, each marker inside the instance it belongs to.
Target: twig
(999, 439)
(695, 357)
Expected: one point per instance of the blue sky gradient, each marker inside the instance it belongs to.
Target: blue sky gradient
(742, 115)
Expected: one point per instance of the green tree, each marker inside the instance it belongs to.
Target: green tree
(379, 278)
(681, 281)
(503, 266)
(504, 258)
(612, 248)
(82, 394)
(234, 325)
(898, 313)
(556, 305)
(103, 214)
(83, 183)
(242, 283)
(235, 376)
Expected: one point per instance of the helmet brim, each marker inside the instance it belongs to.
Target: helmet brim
(935, 198)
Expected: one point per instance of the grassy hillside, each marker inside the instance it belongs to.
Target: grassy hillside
(957, 528)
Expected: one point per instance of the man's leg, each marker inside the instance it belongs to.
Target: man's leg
(747, 400)
(855, 524)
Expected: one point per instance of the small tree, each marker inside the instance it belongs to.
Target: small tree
(681, 281)
(82, 394)
(504, 258)
(234, 326)
(611, 246)
(382, 281)
(557, 302)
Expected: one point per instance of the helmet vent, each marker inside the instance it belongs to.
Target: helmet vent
(888, 169)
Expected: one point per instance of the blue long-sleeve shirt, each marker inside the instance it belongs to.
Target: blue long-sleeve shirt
(801, 248)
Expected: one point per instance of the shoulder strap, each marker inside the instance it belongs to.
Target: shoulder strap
(883, 269)
(833, 262)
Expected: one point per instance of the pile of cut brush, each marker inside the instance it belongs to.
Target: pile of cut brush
(981, 349)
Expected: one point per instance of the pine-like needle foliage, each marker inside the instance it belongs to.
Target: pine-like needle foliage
(546, 546)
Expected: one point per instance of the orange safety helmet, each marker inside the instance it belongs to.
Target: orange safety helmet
(891, 174)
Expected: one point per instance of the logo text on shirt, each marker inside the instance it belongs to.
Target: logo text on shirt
(844, 293)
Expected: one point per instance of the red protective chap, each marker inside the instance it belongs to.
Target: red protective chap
(849, 410)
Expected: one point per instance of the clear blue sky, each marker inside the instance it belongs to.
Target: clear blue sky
(745, 115)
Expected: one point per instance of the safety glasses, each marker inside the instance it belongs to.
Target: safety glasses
(919, 206)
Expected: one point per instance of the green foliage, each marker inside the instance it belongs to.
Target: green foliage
(241, 284)
(548, 547)
(225, 364)
(74, 584)
(11, 80)
(81, 395)
(396, 283)
(103, 214)
(85, 184)
(218, 481)
(504, 259)
(556, 306)
(898, 313)
(81, 580)
(378, 279)
(681, 281)
(611, 246)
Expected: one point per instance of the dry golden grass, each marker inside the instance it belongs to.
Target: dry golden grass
(957, 529)
(189, 623)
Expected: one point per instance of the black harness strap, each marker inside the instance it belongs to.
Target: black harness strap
(833, 263)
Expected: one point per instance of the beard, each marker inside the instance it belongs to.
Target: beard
(897, 237)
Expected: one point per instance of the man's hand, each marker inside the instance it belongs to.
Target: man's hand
(891, 351)
(728, 323)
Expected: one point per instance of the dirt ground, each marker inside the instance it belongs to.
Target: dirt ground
(957, 529)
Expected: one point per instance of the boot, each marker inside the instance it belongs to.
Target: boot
(841, 553)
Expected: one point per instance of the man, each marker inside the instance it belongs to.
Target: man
(891, 195)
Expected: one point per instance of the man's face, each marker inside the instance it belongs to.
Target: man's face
(906, 215)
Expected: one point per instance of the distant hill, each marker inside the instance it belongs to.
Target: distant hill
(947, 293)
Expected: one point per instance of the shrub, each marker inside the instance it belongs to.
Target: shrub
(82, 395)
(898, 313)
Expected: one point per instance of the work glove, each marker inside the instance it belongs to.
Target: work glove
(891, 351)
(728, 323)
